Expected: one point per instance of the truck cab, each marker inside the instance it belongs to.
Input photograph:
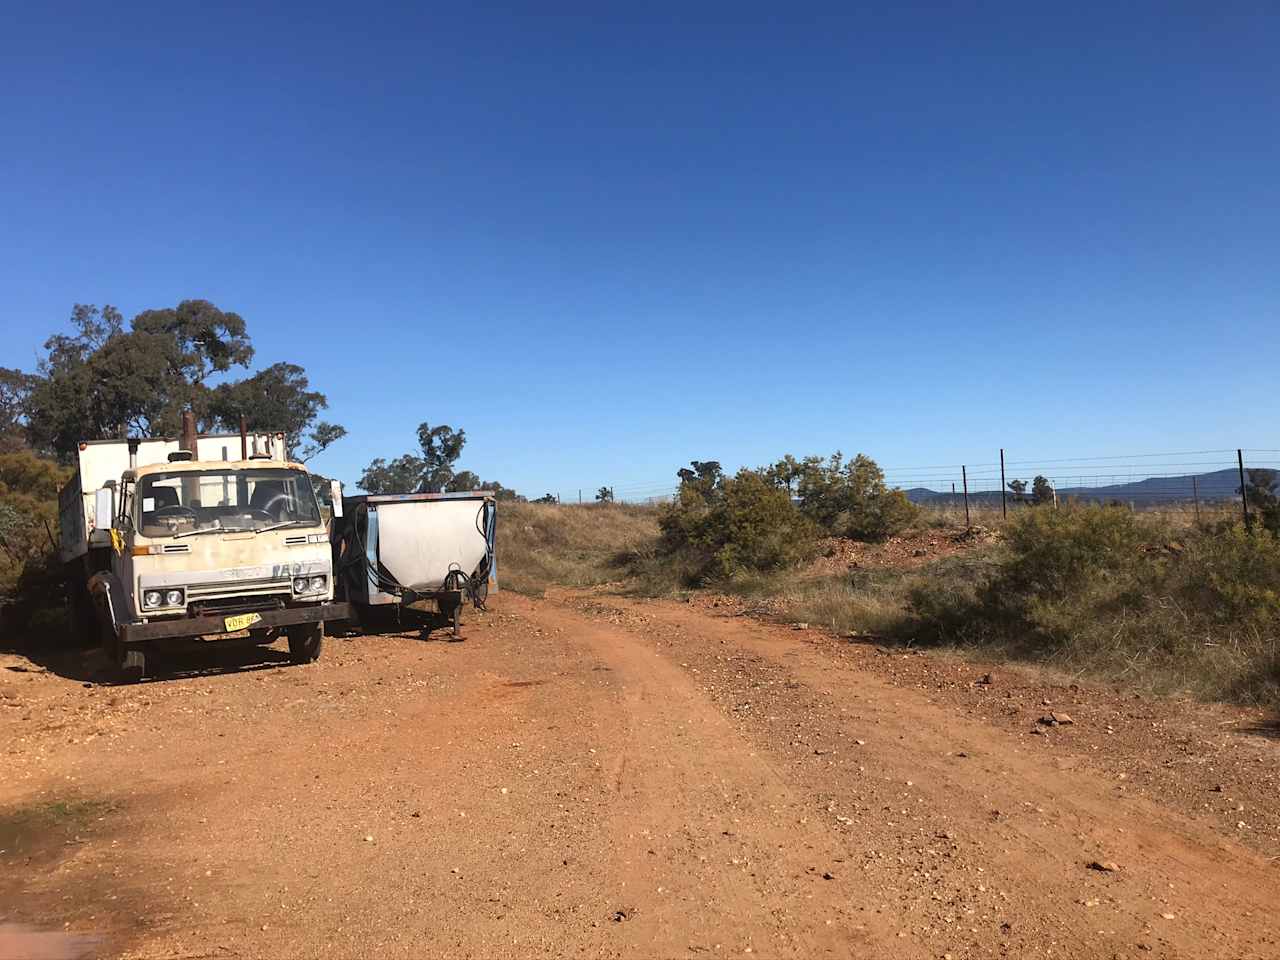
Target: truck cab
(197, 548)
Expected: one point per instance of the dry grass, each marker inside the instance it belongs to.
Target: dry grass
(1188, 608)
(545, 544)
(989, 514)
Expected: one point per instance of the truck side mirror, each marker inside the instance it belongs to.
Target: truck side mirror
(335, 493)
(104, 503)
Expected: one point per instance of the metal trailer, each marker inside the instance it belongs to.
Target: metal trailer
(415, 558)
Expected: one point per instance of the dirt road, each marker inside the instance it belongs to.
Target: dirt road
(589, 775)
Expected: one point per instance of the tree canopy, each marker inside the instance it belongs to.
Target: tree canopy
(103, 381)
(432, 470)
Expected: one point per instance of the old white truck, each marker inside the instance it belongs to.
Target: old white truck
(163, 539)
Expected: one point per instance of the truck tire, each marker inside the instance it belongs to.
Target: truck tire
(84, 621)
(132, 665)
(305, 640)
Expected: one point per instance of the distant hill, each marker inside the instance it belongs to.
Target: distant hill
(1217, 485)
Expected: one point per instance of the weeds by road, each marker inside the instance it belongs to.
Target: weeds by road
(1155, 601)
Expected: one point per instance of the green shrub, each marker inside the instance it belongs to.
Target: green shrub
(1232, 577)
(1104, 591)
(1055, 553)
(851, 499)
(720, 527)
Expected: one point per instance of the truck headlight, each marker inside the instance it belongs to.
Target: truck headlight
(173, 598)
(317, 584)
(299, 584)
(152, 598)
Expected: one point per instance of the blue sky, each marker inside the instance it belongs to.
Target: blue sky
(607, 239)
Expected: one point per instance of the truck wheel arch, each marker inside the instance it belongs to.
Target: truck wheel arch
(108, 596)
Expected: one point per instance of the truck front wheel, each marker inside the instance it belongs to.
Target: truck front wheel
(132, 665)
(305, 640)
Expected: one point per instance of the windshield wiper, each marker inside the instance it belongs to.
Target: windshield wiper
(198, 530)
(283, 523)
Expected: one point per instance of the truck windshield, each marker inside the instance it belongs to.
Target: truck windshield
(188, 501)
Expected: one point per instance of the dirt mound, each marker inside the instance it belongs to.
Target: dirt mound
(910, 550)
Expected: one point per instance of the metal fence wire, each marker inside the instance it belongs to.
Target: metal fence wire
(1141, 481)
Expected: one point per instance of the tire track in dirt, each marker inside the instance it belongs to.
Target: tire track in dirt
(590, 775)
(977, 844)
(718, 852)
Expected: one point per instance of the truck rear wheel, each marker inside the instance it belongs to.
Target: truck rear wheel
(305, 640)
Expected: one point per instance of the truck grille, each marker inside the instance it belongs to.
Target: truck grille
(224, 605)
(240, 588)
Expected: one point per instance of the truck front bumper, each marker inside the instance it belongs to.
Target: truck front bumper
(211, 626)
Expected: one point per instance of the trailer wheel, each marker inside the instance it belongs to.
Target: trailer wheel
(305, 640)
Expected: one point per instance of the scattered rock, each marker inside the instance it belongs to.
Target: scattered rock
(828, 876)
(368, 839)
(1106, 866)
(801, 626)
(985, 680)
(1061, 718)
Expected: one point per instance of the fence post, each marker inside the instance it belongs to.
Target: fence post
(1195, 496)
(964, 477)
(1004, 506)
(579, 496)
(1244, 497)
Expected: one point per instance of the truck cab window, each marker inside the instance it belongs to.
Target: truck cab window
(179, 502)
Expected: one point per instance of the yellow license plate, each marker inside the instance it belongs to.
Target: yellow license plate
(241, 621)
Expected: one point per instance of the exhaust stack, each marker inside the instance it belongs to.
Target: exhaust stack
(189, 433)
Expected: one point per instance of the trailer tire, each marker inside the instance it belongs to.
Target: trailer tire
(305, 641)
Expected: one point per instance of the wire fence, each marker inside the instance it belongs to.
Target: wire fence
(1143, 481)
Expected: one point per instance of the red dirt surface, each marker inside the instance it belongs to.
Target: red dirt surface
(593, 775)
(914, 549)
